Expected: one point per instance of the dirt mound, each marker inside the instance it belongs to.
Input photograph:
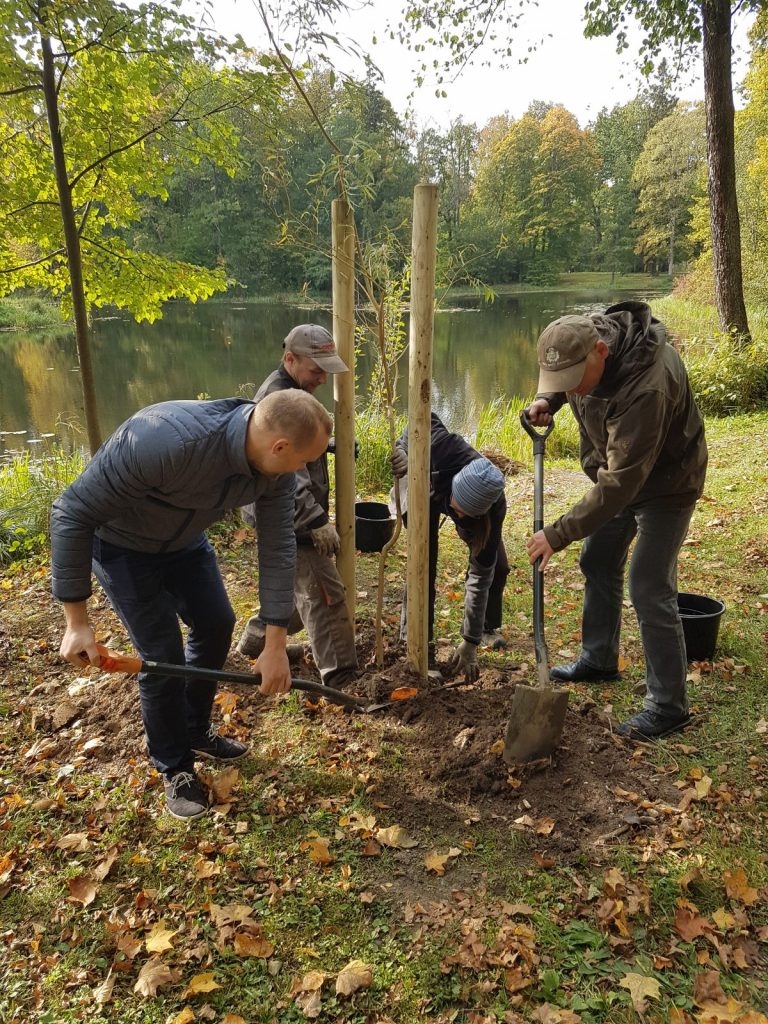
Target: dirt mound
(445, 744)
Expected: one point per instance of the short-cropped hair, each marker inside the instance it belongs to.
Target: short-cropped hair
(295, 414)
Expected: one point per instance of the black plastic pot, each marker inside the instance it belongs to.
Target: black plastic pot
(701, 622)
(374, 525)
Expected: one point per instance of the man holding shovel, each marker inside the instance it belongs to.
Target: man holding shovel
(309, 355)
(137, 515)
(643, 446)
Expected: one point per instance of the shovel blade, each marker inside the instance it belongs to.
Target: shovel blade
(535, 723)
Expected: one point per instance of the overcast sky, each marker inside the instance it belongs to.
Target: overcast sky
(584, 75)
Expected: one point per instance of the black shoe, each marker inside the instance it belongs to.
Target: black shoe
(582, 672)
(650, 725)
(219, 748)
(185, 796)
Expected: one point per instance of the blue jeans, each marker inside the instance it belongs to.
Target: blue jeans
(660, 532)
(150, 593)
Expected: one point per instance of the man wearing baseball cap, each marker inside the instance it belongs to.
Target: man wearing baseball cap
(643, 447)
(320, 605)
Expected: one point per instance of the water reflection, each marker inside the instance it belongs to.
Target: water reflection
(481, 352)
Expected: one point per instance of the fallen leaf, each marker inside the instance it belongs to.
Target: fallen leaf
(436, 862)
(641, 988)
(185, 1016)
(403, 693)
(247, 944)
(310, 1004)
(78, 842)
(689, 925)
(103, 993)
(233, 1018)
(707, 988)
(222, 785)
(354, 976)
(738, 888)
(104, 866)
(159, 938)
(154, 975)
(396, 837)
(200, 983)
(319, 852)
(83, 889)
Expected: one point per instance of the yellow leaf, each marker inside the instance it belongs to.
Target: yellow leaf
(396, 837)
(703, 787)
(738, 888)
(159, 938)
(723, 919)
(544, 826)
(233, 1018)
(641, 988)
(184, 1017)
(200, 983)
(436, 862)
(319, 852)
(354, 976)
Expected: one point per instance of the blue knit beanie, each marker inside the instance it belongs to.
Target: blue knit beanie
(477, 486)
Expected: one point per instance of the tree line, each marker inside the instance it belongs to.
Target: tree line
(143, 157)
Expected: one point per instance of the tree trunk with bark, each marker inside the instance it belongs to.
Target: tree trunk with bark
(721, 159)
(72, 240)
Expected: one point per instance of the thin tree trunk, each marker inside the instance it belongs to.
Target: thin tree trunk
(72, 241)
(724, 212)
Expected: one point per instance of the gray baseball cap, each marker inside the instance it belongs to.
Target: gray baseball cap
(314, 342)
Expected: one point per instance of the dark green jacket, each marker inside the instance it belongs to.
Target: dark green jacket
(641, 434)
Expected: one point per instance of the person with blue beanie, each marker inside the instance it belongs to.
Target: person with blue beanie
(468, 489)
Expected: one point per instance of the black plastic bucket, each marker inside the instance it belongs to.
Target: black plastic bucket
(701, 621)
(374, 525)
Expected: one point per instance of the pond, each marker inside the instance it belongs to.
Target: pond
(481, 352)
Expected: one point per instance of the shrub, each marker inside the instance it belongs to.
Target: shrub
(499, 428)
(28, 485)
(725, 378)
(373, 473)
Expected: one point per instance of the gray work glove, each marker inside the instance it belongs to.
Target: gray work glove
(326, 540)
(465, 660)
(399, 462)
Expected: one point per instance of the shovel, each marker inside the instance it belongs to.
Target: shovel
(111, 661)
(538, 712)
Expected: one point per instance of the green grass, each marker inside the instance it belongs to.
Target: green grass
(302, 780)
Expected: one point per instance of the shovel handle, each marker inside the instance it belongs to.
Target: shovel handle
(111, 661)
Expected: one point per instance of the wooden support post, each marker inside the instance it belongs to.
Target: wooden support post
(343, 283)
(423, 259)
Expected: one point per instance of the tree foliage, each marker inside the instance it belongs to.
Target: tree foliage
(99, 103)
(669, 173)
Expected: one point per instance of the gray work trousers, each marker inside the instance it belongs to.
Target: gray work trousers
(660, 532)
(320, 608)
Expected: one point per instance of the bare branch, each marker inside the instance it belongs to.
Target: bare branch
(33, 263)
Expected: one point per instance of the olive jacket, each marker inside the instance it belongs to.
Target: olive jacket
(641, 433)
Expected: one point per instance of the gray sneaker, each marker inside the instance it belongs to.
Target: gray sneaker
(218, 748)
(185, 796)
(253, 646)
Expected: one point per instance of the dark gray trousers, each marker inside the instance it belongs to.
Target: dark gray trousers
(659, 532)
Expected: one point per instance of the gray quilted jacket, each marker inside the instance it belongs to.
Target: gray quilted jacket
(165, 475)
